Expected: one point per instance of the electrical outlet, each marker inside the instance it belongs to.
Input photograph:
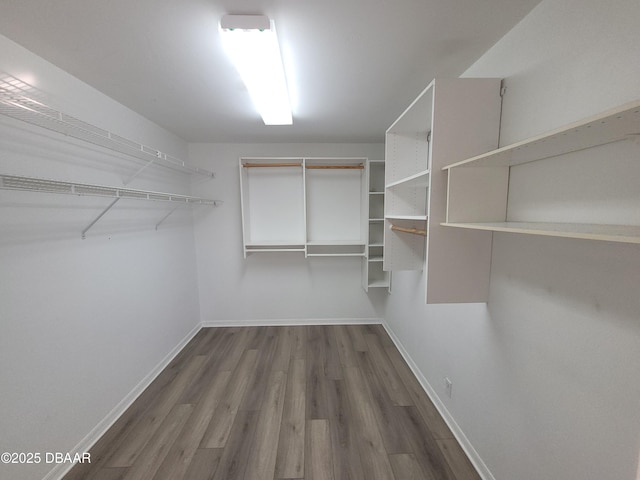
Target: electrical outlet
(448, 385)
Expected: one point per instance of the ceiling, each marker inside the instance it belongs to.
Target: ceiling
(353, 65)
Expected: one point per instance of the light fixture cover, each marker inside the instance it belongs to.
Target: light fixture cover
(252, 43)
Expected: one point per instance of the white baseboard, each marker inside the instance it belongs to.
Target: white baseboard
(60, 470)
(464, 442)
(285, 322)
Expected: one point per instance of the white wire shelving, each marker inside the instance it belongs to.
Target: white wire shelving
(20, 101)
(32, 184)
(23, 102)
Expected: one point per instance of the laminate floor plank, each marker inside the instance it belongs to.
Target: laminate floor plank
(332, 365)
(356, 332)
(427, 409)
(223, 417)
(346, 351)
(114, 473)
(375, 461)
(154, 452)
(457, 459)
(425, 447)
(139, 434)
(299, 341)
(406, 467)
(217, 348)
(179, 457)
(258, 382)
(384, 409)
(282, 355)
(235, 456)
(204, 464)
(262, 461)
(290, 460)
(305, 402)
(316, 377)
(387, 373)
(347, 464)
(320, 447)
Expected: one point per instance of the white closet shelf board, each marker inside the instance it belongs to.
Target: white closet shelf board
(611, 233)
(417, 180)
(422, 218)
(16, 102)
(613, 125)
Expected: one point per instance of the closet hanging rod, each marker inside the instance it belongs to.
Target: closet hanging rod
(337, 167)
(34, 112)
(286, 164)
(31, 184)
(413, 231)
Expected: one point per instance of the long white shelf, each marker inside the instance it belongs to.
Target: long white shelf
(31, 184)
(611, 233)
(420, 179)
(420, 218)
(613, 125)
(17, 104)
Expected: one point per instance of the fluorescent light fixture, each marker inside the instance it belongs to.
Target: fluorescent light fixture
(251, 42)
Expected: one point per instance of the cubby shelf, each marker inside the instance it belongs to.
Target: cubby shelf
(373, 276)
(479, 192)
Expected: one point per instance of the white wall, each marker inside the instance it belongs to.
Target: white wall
(270, 286)
(83, 322)
(545, 376)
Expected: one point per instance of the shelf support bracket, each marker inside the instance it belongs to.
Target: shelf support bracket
(88, 227)
(166, 216)
(140, 170)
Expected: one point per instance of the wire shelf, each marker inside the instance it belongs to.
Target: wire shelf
(32, 184)
(20, 101)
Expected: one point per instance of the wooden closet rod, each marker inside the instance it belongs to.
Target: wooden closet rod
(414, 231)
(342, 167)
(291, 164)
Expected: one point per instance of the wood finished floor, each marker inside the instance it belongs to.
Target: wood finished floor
(302, 402)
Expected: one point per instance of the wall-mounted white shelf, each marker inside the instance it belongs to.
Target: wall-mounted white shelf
(478, 191)
(450, 120)
(614, 125)
(309, 205)
(18, 104)
(609, 233)
(39, 185)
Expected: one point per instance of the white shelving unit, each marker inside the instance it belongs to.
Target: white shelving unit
(478, 195)
(309, 205)
(373, 276)
(22, 102)
(451, 119)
